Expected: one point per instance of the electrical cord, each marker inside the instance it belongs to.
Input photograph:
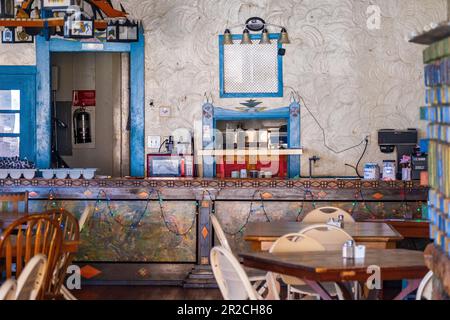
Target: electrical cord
(360, 158)
(323, 130)
(164, 142)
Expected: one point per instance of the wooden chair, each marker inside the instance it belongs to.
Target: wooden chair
(293, 243)
(27, 237)
(81, 223)
(8, 290)
(15, 199)
(71, 238)
(32, 278)
(322, 215)
(231, 278)
(331, 237)
(425, 290)
(257, 277)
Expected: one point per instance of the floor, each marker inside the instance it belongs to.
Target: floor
(165, 293)
(145, 293)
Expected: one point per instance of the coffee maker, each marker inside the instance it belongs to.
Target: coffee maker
(402, 141)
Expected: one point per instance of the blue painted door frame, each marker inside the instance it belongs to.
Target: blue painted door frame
(23, 78)
(136, 50)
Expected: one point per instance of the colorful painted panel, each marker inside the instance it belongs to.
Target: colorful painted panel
(133, 231)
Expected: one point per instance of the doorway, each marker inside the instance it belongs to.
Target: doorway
(103, 74)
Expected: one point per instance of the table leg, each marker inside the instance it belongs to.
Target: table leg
(413, 284)
(317, 287)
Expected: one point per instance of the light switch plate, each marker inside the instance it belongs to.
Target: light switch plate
(153, 142)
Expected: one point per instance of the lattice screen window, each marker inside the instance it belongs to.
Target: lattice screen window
(251, 70)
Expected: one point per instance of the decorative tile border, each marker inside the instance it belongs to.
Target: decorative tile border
(331, 184)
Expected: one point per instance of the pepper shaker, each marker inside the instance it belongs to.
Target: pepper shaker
(348, 250)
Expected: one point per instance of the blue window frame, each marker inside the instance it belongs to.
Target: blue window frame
(17, 112)
(255, 37)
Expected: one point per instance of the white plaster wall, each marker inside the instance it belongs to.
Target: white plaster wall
(356, 81)
(17, 54)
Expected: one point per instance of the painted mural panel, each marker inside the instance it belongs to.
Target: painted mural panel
(133, 231)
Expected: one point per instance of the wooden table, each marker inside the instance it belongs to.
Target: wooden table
(7, 218)
(329, 266)
(374, 235)
(408, 228)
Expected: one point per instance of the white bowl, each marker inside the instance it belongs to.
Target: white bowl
(15, 173)
(89, 173)
(3, 173)
(75, 173)
(47, 173)
(29, 173)
(61, 173)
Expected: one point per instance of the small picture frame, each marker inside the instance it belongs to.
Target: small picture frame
(20, 36)
(56, 4)
(8, 35)
(111, 33)
(79, 29)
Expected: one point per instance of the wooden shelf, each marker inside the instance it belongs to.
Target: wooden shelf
(41, 23)
(432, 36)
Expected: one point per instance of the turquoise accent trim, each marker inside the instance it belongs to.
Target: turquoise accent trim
(209, 166)
(238, 37)
(22, 78)
(137, 94)
(43, 103)
(294, 139)
(137, 107)
(66, 45)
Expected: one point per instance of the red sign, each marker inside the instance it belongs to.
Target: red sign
(83, 98)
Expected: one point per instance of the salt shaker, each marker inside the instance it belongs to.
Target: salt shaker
(348, 250)
(341, 220)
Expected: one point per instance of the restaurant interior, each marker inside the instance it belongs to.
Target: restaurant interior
(224, 150)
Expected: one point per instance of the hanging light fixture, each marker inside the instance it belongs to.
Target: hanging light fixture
(284, 37)
(256, 25)
(227, 37)
(265, 39)
(246, 37)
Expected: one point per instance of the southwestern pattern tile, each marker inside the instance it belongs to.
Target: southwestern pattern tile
(213, 183)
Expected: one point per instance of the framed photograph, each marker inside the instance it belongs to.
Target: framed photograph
(111, 33)
(20, 36)
(78, 29)
(8, 36)
(56, 4)
(128, 32)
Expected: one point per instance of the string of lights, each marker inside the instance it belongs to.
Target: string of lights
(250, 213)
(302, 206)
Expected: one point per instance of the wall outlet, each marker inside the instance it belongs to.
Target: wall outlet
(153, 142)
(368, 136)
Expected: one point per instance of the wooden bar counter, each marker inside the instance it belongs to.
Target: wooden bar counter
(162, 225)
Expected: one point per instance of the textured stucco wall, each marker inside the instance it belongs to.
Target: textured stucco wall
(355, 80)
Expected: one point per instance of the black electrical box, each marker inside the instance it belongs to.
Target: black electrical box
(391, 137)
